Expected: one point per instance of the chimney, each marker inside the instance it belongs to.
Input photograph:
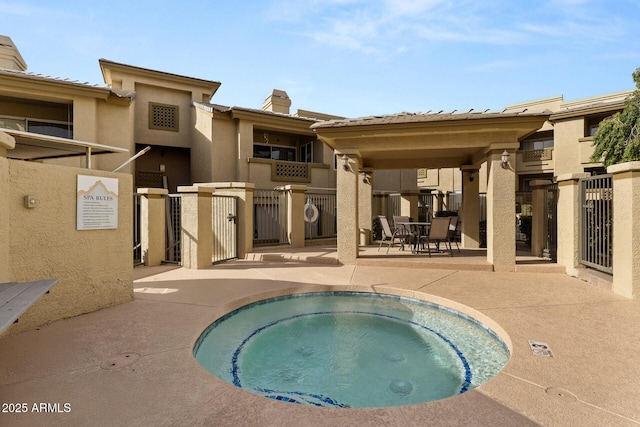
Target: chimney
(277, 102)
(9, 56)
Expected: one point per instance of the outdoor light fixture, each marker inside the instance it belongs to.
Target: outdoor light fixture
(365, 178)
(505, 159)
(345, 162)
(472, 176)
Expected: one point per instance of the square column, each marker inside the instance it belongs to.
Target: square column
(409, 204)
(626, 229)
(365, 214)
(470, 215)
(568, 224)
(295, 221)
(501, 212)
(152, 225)
(196, 227)
(347, 206)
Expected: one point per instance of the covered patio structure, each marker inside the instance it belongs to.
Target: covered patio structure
(432, 140)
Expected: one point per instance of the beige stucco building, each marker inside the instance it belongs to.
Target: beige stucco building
(65, 128)
(563, 145)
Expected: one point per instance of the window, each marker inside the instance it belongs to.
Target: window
(274, 152)
(306, 152)
(537, 144)
(62, 130)
(15, 124)
(163, 117)
(592, 124)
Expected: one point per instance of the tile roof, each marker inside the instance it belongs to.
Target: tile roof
(42, 77)
(429, 116)
(223, 109)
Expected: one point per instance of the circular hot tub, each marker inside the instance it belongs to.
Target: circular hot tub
(351, 349)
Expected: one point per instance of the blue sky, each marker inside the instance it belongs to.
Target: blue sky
(345, 57)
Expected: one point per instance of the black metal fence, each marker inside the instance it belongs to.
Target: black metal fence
(596, 222)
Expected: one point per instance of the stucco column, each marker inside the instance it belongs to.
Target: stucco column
(626, 229)
(152, 225)
(365, 213)
(6, 142)
(470, 215)
(243, 192)
(197, 231)
(409, 203)
(347, 206)
(295, 214)
(501, 212)
(540, 221)
(568, 224)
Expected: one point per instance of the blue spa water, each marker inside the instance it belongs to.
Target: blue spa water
(348, 349)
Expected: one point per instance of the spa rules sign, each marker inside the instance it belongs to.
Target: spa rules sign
(97, 203)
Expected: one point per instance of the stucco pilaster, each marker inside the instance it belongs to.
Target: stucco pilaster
(152, 225)
(197, 231)
(470, 215)
(347, 206)
(626, 229)
(365, 213)
(409, 203)
(295, 214)
(501, 213)
(568, 224)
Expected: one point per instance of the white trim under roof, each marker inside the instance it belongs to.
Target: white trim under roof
(36, 146)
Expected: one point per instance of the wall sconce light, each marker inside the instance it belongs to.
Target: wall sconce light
(505, 159)
(472, 176)
(365, 178)
(345, 162)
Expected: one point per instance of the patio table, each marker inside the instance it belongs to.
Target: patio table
(418, 229)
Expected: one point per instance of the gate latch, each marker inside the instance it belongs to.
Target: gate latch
(231, 217)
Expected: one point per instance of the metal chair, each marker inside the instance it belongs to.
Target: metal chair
(439, 232)
(453, 231)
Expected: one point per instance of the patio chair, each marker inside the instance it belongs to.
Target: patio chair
(453, 230)
(439, 232)
(403, 232)
(387, 234)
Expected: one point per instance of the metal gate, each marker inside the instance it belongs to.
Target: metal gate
(596, 222)
(269, 218)
(551, 249)
(225, 240)
(137, 244)
(174, 231)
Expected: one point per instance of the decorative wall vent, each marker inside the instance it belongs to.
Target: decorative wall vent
(290, 172)
(163, 117)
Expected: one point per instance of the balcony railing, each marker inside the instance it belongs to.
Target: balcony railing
(537, 155)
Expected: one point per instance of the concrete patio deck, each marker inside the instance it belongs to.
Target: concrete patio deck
(132, 364)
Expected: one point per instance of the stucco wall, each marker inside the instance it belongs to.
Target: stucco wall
(225, 159)
(143, 135)
(94, 267)
(566, 151)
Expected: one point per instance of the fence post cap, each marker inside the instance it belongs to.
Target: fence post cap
(624, 167)
(571, 176)
(153, 191)
(196, 189)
